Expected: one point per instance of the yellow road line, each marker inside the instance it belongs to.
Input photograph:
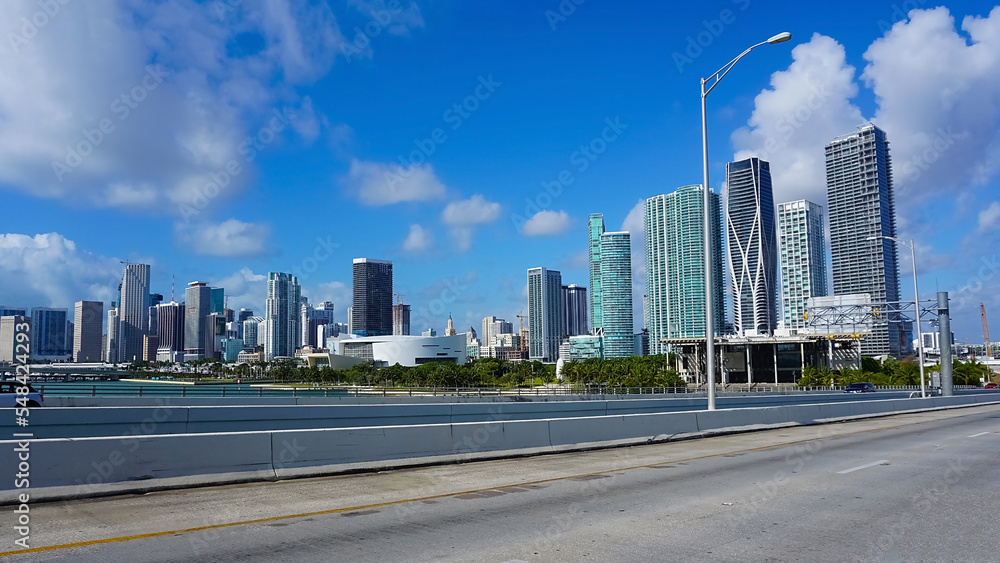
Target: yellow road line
(432, 497)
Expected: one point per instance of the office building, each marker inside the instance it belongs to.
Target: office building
(545, 315)
(803, 259)
(862, 211)
(251, 332)
(88, 328)
(492, 327)
(48, 334)
(595, 228)
(429, 332)
(753, 247)
(675, 265)
(111, 338)
(314, 317)
(6, 311)
(218, 300)
(575, 308)
(170, 329)
(198, 305)
(281, 315)
(401, 319)
(616, 295)
(133, 312)
(244, 314)
(372, 312)
(9, 324)
(450, 329)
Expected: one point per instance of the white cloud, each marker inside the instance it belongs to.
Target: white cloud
(418, 240)
(398, 20)
(463, 215)
(938, 94)
(635, 221)
(635, 224)
(472, 211)
(152, 99)
(547, 223)
(375, 183)
(805, 107)
(989, 218)
(244, 289)
(49, 270)
(229, 238)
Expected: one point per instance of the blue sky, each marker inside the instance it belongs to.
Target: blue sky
(224, 139)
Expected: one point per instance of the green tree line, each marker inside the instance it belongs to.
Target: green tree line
(892, 372)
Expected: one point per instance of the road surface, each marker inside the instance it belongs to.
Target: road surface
(918, 487)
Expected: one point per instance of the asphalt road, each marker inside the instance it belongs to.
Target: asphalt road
(919, 487)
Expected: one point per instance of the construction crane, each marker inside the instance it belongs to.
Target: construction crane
(520, 329)
(986, 332)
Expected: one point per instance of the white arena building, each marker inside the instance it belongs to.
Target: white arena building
(404, 350)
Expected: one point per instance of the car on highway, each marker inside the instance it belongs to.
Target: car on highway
(991, 386)
(8, 395)
(860, 388)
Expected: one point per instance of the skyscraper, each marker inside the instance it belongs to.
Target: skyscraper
(545, 315)
(803, 258)
(616, 295)
(48, 334)
(450, 329)
(88, 325)
(401, 319)
(281, 315)
(170, 329)
(10, 323)
(111, 342)
(312, 318)
(675, 265)
(862, 211)
(133, 312)
(198, 305)
(595, 228)
(493, 327)
(372, 313)
(575, 307)
(753, 247)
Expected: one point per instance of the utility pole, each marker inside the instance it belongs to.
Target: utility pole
(986, 332)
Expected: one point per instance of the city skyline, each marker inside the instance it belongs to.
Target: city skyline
(459, 221)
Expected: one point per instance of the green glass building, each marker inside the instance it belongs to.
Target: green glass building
(675, 265)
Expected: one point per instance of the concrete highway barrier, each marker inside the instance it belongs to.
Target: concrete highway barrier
(165, 417)
(85, 467)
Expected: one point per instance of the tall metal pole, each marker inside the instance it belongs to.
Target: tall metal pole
(944, 326)
(916, 308)
(709, 270)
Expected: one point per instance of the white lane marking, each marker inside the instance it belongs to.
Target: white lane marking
(978, 435)
(865, 466)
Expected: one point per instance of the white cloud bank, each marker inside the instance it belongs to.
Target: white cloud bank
(546, 223)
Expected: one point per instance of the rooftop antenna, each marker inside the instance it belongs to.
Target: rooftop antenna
(171, 288)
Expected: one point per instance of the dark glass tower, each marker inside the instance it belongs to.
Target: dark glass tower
(372, 312)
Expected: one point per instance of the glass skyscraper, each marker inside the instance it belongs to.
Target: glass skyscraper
(198, 305)
(595, 226)
(372, 311)
(616, 294)
(753, 248)
(133, 312)
(545, 314)
(281, 315)
(675, 265)
(862, 210)
(803, 258)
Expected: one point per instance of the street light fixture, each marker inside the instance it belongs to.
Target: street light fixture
(709, 274)
(916, 306)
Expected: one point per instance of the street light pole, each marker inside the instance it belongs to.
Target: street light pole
(916, 307)
(706, 190)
